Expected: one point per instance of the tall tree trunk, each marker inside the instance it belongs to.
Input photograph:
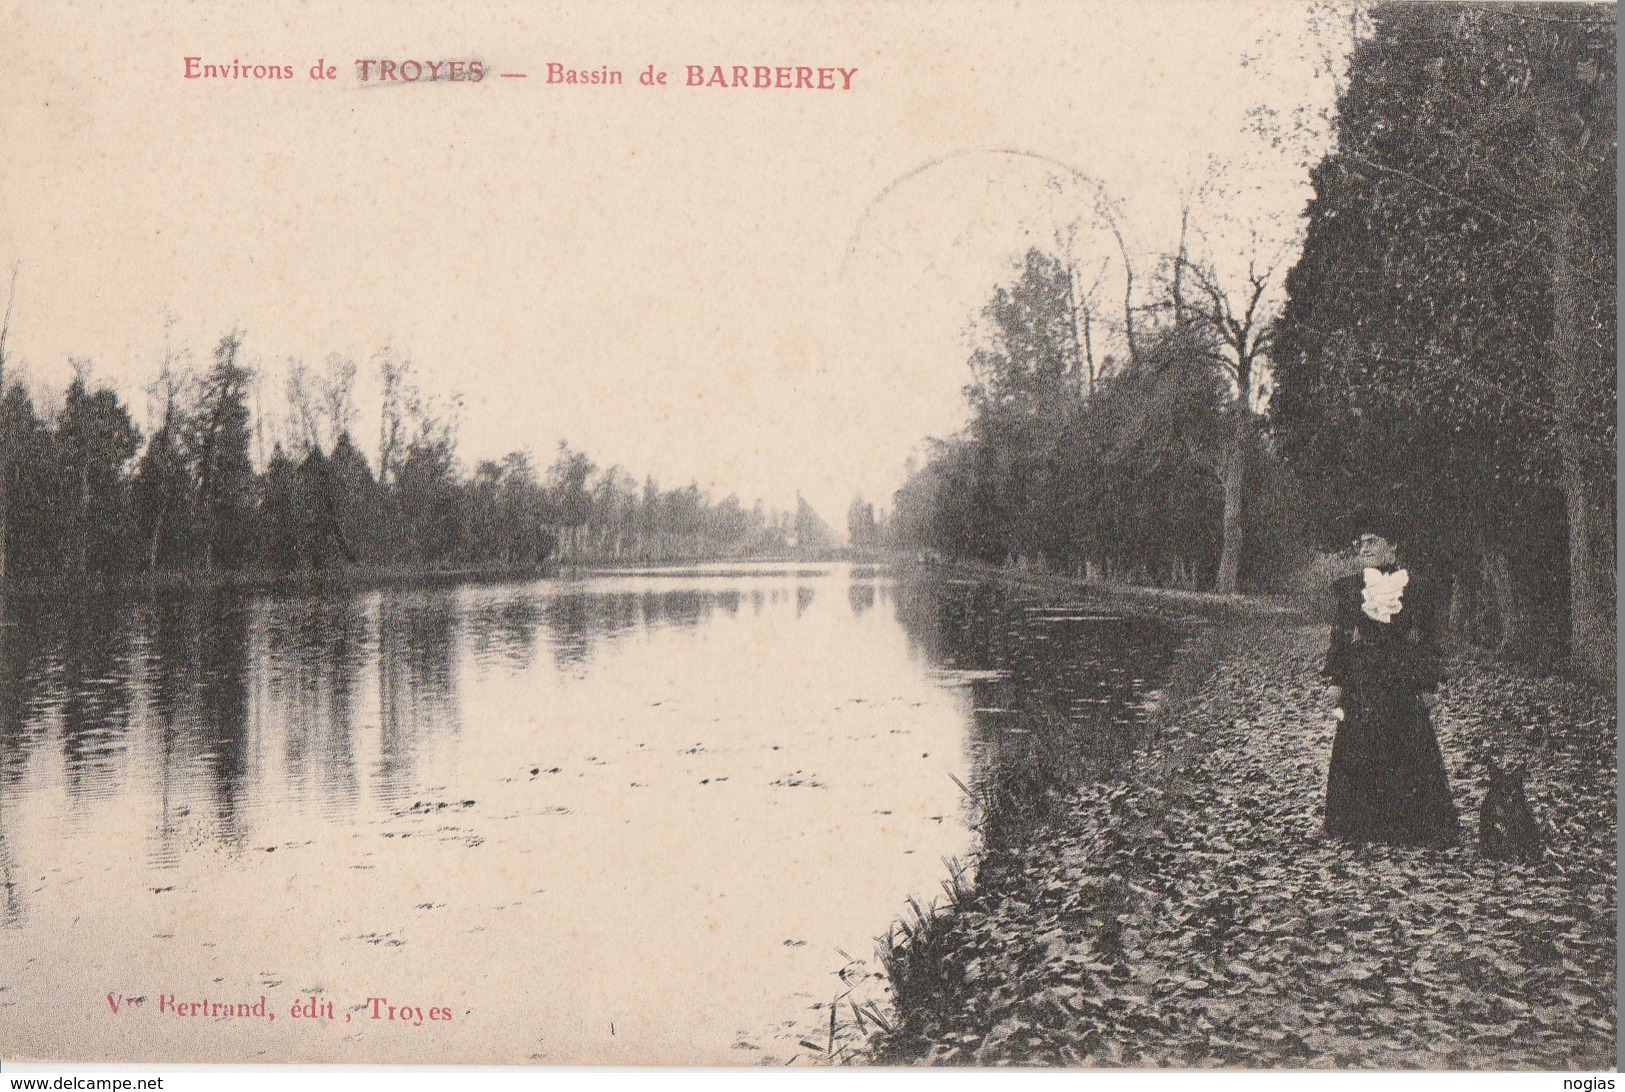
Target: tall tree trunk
(1588, 500)
(152, 544)
(1089, 350)
(1179, 266)
(1591, 568)
(1235, 471)
(82, 560)
(1128, 295)
(1515, 633)
(1072, 323)
(1464, 624)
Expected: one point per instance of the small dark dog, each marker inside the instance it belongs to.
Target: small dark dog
(1507, 829)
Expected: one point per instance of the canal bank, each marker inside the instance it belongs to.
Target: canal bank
(1189, 912)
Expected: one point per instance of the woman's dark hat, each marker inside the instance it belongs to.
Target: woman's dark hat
(1368, 518)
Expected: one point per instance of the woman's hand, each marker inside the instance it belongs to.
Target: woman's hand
(1336, 694)
(1430, 698)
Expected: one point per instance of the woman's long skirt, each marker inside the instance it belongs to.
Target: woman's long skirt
(1387, 781)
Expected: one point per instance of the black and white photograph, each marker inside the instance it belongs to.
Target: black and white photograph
(756, 534)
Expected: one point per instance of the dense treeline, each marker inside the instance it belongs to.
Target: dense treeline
(1115, 469)
(84, 494)
(1443, 362)
(1447, 350)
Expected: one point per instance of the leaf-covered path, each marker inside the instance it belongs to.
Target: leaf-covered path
(1193, 913)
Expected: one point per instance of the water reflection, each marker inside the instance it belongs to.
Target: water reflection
(93, 683)
(307, 665)
(203, 682)
(861, 596)
(504, 632)
(11, 896)
(23, 681)
(791, 741)
(220, 668)
(417, 681)
(1056, 692)
(575, 623)
(209, 678)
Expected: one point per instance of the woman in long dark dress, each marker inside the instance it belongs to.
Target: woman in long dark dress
(1387, 780)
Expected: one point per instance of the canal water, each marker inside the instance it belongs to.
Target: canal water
(645, 816)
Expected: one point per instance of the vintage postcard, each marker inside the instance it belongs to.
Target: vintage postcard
(761, 533)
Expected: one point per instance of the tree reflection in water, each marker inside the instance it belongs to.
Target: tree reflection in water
(1054, 692)
(229, 704)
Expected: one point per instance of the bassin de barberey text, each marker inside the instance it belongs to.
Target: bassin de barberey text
(383, 70)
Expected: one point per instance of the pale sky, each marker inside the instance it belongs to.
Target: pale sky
(695, 283)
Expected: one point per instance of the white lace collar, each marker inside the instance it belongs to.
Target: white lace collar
(1381, 599)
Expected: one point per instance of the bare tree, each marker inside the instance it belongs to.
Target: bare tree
(1128, 294)
(1081, 315)
(1239, 323)
(399, 397)
(1176, 282)
(1104, 217)
(303, 426)
(336, 387)
(161, 484)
